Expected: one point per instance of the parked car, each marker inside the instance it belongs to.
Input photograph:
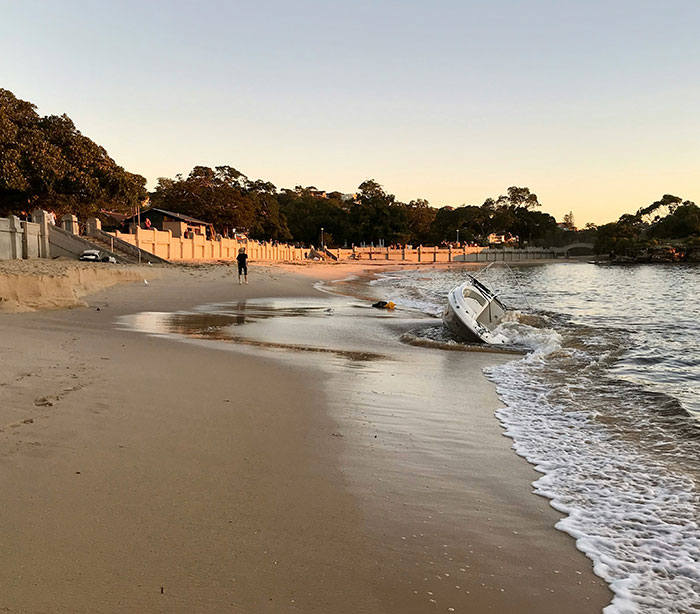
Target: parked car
(96, 255)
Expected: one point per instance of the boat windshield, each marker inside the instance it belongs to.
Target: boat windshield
(471, 294)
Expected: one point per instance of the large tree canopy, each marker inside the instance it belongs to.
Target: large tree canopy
(307, 211)
(680, 223)
(511, 213)
(376, 217)
(226, 198)
(46, 162)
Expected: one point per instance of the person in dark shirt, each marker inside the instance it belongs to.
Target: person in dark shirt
(242, 259)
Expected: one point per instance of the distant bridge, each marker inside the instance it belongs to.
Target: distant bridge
(579, 249)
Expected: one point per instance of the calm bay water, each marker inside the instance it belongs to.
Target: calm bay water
(606, 404)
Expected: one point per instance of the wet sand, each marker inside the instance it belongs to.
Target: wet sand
(146, 474)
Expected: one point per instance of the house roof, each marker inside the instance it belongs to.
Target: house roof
(117, 217)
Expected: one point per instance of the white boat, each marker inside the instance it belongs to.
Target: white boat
(473, 311)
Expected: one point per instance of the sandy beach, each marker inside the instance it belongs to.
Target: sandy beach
(150, 473)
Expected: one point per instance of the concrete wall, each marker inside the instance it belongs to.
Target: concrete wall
(26, 240)
(31, 240)
(177, 228)
(10, 238)
(169, 247)
(441, 254)
(19, 239)
(164, 245)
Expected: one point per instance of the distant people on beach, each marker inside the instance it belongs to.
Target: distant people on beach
(242, 259)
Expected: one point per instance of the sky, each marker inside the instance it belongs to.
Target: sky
(594, 105)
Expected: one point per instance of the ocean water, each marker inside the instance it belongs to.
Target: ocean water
(605, 402)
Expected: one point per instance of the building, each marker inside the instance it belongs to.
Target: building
(501, 239)
(177, 223)
(111, 220)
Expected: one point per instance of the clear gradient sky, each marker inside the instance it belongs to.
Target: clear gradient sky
(594, 105)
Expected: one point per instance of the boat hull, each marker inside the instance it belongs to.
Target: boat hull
(458, 326)
(472, 311)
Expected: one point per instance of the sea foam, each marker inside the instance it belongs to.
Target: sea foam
(632, 516)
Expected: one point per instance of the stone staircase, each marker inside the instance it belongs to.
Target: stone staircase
(65, 243)
(122, 251)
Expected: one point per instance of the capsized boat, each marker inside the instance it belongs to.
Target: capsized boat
(473, 311)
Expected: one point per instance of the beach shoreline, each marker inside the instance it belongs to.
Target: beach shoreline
(154, 475)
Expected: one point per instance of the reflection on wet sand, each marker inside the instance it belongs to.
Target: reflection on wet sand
(214, 335)
(215, 322)
(422, 451)
(218, 326)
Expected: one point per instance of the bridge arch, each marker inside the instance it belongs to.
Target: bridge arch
(579, 248)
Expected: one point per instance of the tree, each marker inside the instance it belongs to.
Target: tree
(682, 223)
(569, 221)
(307, 212)
(518, 198)
(670, 218)
(665, 205)
(532, 226)
(46, 162)
(620, 236)
(420, 216)
(375, 216)
(469, 220)
(268, 222)
(510, 213)
(226, 198)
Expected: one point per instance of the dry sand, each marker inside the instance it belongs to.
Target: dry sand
(143, 474)
(30, 285)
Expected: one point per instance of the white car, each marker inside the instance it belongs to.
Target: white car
(95, 255)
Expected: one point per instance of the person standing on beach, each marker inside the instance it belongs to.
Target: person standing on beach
(242, 259)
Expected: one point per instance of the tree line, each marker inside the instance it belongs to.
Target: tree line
(45, 162)
(230, 200)
(669, 220)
